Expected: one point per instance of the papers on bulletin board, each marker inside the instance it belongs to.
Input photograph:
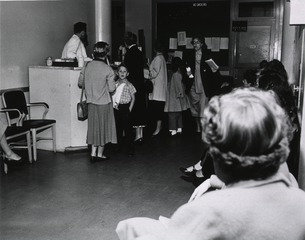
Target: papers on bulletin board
(297, 15)
(224, 43)
(178, 54)
(173, 43)
(208, 42)
(215, 44)
(181, 38)
(189, 44)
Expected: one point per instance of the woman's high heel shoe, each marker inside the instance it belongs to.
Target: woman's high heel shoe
(156, 133)
(139, 141)
(186, 172)
(13, 157)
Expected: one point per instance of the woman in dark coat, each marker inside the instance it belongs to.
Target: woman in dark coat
(134, 62)
(204, 82)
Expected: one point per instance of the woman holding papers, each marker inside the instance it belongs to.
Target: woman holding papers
(204, 79)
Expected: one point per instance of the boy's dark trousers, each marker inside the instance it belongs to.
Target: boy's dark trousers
(123, 123)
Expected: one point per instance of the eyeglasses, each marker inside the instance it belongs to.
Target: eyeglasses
(196, 42)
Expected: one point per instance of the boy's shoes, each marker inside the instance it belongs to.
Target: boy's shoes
(176, 132)
(173, 132)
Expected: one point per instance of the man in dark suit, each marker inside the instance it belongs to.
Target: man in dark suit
(134, 61)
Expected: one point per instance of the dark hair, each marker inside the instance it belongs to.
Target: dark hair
(263, 64)
(130, 38)
(123, 65)
(275, 66)
(158, 46)
(80, 26)
(103, 53)
(200, 39)
(275, 82)
(101, 45)
(177, 63)
(250, 76)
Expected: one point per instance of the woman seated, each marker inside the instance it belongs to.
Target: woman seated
(247, 133)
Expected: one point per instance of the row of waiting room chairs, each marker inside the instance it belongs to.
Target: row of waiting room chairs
(22, 131)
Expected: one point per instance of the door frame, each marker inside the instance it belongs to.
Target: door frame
(277, 21)
(300, 44)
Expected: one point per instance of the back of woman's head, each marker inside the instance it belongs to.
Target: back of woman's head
(101, 49)
(280, 86)
(275, 66)
(158, 46)
(247, 133)
(177, 63)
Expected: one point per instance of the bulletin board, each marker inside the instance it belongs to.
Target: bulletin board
(177, 22)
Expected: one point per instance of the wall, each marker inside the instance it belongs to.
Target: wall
(288, 45)
(139, 16)
(33, 30)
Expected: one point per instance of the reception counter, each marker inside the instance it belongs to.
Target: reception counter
(57, 86)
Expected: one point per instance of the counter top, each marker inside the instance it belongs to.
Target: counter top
(56, 68)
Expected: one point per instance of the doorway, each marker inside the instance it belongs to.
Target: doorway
(259, 38)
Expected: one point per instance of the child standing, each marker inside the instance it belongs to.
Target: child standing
(123, 102)
(176, 99)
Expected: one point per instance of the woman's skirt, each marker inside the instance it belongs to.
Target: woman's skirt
(101, 125)
(198, 101)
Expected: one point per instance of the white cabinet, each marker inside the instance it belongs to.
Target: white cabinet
(57, 86)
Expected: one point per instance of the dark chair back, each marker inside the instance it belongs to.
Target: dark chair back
(15, 99)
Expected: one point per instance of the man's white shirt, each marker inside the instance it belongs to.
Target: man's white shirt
(74, 48)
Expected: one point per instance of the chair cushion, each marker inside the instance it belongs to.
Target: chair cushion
(13, 130)
(37, 123)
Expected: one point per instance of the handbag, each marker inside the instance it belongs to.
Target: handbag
(82, 108)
